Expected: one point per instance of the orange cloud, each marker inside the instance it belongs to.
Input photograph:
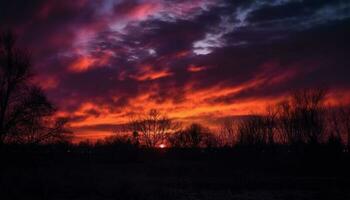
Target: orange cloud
(148, 72)
(194, 68)
(87, 62)
(153, 75)
(82, 64)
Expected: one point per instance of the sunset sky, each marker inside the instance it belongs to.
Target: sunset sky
(101, 61)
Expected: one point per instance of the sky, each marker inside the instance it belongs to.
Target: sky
(102, 61)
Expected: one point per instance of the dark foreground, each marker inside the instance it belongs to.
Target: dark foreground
(174, 174)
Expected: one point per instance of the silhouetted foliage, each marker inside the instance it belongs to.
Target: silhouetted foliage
(178, 139)
(270, 125)
(227, 136)
(251, 132)
(119, 142)
(339, 125)
(26, 115)
(302, 117)
(152, 129)
(194, 136)
(258, 130)
(209, 139)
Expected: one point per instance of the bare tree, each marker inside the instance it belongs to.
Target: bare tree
(178, 139)
(152, 128)
(26, 116)
(251, 131)
(302, 117)
(227, 132)
(270, 124)
(209, 139)
(194, 136)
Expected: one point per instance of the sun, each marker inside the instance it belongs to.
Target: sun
(162, 146)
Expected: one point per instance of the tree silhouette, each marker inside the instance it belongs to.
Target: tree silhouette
(152, 128)
(227, 133)
(178, 139)
(302, 117)
(270, 124)
(194, 136)
(26, 115)
(251, 131)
